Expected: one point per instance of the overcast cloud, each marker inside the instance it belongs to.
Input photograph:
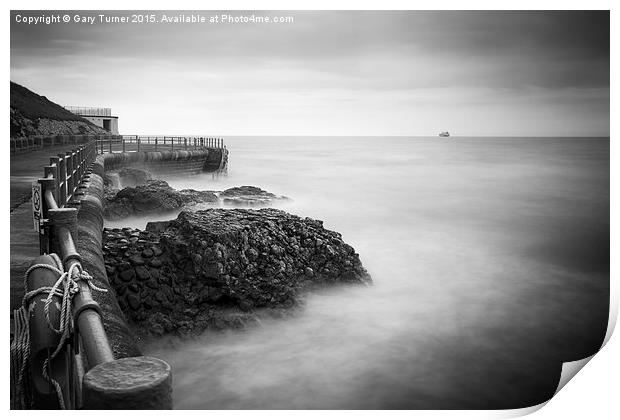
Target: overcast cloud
(331, 73)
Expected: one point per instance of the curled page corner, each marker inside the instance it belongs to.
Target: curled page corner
(570, 369)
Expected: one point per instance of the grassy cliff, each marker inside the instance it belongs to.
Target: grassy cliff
(35, 115)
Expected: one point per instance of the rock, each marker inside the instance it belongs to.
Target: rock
(227, 264)
(195, 197)
(153, 197)
(142, 273)
(136, 260)
(151, 283)
(248, 196)
(133, 302)
(147, 253)
(155, 262)
(127, 275)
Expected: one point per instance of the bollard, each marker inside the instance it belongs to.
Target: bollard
(43, 341)
(133, 383)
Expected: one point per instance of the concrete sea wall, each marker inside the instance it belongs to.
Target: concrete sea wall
(177, 162)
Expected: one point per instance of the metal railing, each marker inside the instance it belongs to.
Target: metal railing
(23, 144)
(58, 381)
(90, 111)
(136, 143)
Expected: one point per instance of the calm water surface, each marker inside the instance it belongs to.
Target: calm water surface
(490, 260)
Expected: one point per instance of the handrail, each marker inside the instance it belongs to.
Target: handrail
(63, 183)
(127, 143)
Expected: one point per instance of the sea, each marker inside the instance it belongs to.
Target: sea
(490, 266)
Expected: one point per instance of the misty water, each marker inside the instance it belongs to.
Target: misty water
(490, 261)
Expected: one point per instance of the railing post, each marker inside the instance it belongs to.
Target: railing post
(69, 175)
(60, 177)
(138, 140)
(123, 144)
(47, 184)
(110, 144)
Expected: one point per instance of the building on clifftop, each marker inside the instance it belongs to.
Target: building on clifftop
(101, 117)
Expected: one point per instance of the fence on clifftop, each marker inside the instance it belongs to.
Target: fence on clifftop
(53, 364)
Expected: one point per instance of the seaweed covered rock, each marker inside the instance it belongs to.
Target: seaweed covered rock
(217, 268)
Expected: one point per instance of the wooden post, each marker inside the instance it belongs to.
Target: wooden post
(69, 177)
(48, 186)
(143, 383)
(57, 161)
(138, 139)
(43, 340)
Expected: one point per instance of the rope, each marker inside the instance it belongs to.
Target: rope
(20, 363)
(66, 287)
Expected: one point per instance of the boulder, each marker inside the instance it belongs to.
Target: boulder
(220, 268)
(196, 197)
(155, 196)
(248, 196)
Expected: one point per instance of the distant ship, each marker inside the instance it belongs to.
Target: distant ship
(444, 134)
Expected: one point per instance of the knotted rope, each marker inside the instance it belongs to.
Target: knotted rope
(66, 287)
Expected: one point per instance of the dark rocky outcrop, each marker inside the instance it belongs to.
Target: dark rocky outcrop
(144, 195)
(218, 268)
(155, 196)
(249, 196)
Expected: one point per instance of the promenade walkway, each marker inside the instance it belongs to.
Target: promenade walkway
(25, 168)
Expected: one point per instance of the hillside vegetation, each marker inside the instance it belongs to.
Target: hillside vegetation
(35, 115)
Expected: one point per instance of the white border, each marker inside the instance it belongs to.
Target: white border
(591, 394)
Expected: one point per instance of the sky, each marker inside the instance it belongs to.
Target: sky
(374, 73)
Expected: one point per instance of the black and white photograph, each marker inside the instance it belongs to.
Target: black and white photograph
(307, 209)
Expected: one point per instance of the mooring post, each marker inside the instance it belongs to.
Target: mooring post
(143, 383)
(44, 341)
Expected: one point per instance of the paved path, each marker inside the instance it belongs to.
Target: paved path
(25, 168)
